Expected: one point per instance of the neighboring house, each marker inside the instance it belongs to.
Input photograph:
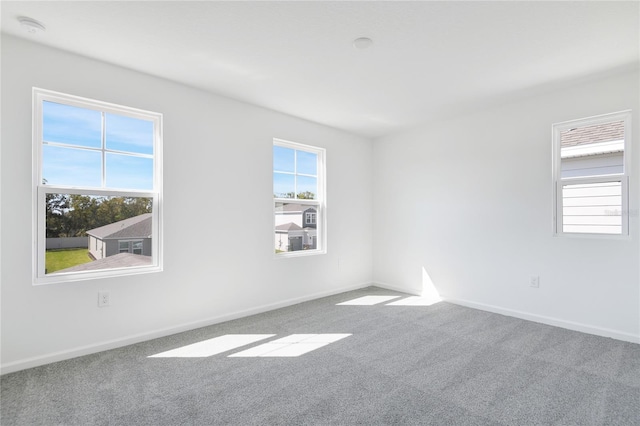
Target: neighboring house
(131, 235)
(593, 150)
(295, 227)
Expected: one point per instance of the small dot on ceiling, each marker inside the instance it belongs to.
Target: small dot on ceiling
(31, 25)
(362, 43)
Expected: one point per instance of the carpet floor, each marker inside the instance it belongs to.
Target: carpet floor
(380, 364)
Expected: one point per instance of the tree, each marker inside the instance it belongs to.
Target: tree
(135, 206)
(57, 205)
(73, 215)
(306, 195)
(83, 215)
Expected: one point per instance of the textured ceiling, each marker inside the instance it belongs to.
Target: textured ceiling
(429, 60)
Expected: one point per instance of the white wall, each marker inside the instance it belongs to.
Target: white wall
(218, 214)
(470, 201)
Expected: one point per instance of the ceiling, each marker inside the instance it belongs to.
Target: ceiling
(429, 60)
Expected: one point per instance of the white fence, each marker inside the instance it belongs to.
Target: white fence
(72, 242)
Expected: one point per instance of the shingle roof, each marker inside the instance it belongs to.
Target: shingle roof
(288, 227)
(606, 132)
(120, 260)
(134, 227)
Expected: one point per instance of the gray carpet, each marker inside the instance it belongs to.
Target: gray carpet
(422, 365)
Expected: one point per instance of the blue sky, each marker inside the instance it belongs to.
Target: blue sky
(294, 171)
(82, 128)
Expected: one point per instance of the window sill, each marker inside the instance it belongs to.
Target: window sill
(79, 276)
(593, 236)
(299, 253)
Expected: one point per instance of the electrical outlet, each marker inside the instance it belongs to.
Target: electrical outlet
(534, 281)
(103, 299)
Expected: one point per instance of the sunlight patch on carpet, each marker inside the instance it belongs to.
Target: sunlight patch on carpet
(368, 300)
(214, 346)
(291, 346)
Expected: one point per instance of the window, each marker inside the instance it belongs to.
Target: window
(299, 199)
(97, 188)
(134, 247)
(591, 169)
(310, 218)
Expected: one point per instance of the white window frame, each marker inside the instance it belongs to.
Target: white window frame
(319, 203)
(559, 182)
(310, 218)
(40, 190)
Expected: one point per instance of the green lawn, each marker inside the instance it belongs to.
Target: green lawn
(65, 258)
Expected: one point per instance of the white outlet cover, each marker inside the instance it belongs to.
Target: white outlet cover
(534, 281)
(103, 299)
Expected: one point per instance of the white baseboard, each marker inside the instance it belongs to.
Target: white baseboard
(141, 337)
(570, 325)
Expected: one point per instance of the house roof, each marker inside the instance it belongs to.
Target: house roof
(606, 132)
(120, 260)
(133, 227)
(288, 227)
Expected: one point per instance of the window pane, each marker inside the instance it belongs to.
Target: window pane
(129, 172)
(69, 166)
(295, 227)
(129, 134)
(283, 185)
(592, 208)
(71, 125)
(85, 233)
(592, 150)
(307, 163)
(283, 159)
(307, 187)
